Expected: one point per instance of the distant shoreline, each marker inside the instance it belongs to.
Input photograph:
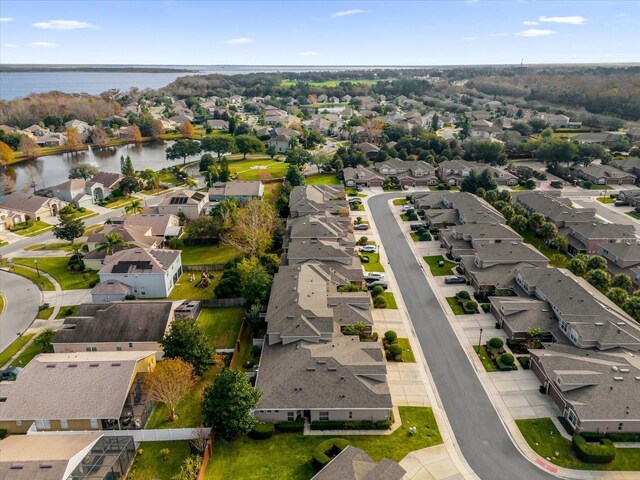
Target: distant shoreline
(81, 69)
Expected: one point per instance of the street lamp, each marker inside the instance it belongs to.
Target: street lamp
(480, 340)
(37, 270)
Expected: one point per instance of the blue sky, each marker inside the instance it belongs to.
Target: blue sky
(319, 32)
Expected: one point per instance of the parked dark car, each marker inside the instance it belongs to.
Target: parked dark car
(361, 226)
(451, 279)
(377, 283)
(417, 226)
(10, 373)
(620, 203)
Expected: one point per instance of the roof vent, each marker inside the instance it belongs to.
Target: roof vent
(116, 364)
(599, 324)
(72, 365)
(614, 368)
(624, 370)
(51, 365)
(46, 465)
(618, 379)
(621, 324)
(94, 364)
(332, 369)
(321, 362)
(17, 466)
(311, 369)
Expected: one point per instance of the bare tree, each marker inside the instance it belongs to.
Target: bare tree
(29, 147)
(169, 383)
(254, 225)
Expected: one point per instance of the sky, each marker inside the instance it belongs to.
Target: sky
(454, 32)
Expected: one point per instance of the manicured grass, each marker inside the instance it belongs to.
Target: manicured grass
(329, 83)
(391, 300)
(26, 356)
(323, 179)
(37, 227)
(255, 169)
(272, 192)
(1, 303)
(189, 410)
(416, 238)
(485, 358)
(120, 203)
(543, 437)
(185, 290)
(57, 268)
(45, 314)
(352, 192)
(356, 207)
(455, 306)
(287, 456)
(437, 271)
(207, 254)
(42, 282)
(12, 349)
(151, 466)
(520, 187)
(606, 199)
(452, 189)
(407, 353)
(529, 237)
(598, 187)
(246, 349)
(221, 325)
(67, 247)
(3, 243)
(68, 311)
(374, 263)
(634, 214)
(400, 201)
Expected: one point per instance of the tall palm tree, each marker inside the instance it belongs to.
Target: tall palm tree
(191, 182)
(134, 207)
(111, 241)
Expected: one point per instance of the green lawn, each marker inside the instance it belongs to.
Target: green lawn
(185, 290)
(66, 246)
(400, 201)
(207, 254)
(634, 214)
(529, 237)
(416, 238)
(543, 437)
(36, 226)
(391, 300)
(3, 243)
(255, 169)
(68, 311)
(151, 466)
(26, 356)
(323, 179)
(455, 306)
(45, 314)
(606, 199)
(1, 303)
(189, 410)
(12, 349)
(42, 282)
(272, 192)
(485, 358)
(519, 187)
(407, 353)
(57, 268)
(356, 207)
(119, 203)
(221, 325)
(246, 349)
(597, 187)
(352, 192)
(437, 271)
(374, 263)
(287, 456)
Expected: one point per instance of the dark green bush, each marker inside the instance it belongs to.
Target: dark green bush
(507, 359)
(485, 307)
(175, 243)
(3, 433)
(395, 349)
(380, 302)
(390, 336)
(603, 452)
(524, 362)
(377, 290)
(261, 431)
(326, 450)
(624, 437)
(470, 306)
(351, 425)
(463, 294)
(297, 426)
(129, 296)
(495, 342)
(592, 436)
(412, 216)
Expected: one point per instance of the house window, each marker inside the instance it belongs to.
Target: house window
(323, 416)
(64, 424)
(130, 345)
(91, 347)
(43, 424)
(18, 423)
(118, 347)
(563, 326)
(350, 415)
(573, 419)
(574, 336)
(94, 423)
(291, 416)
(619, 427)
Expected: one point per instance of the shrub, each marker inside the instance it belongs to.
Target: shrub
(495, 342)
(470, 306)
(3, 433)
(261, 431)
(297, 426)
(507, 359)
(164, 453)
(175, 243)
(326, 450)
(380, 302)
(377, 290)
(395, 349)
(129, 296)
(362, 241)
(390, 336)
(524, 362)
(463, 294)
(412, 216)
(486, 307)
(603, 452)
(374, 337)
(624, 437)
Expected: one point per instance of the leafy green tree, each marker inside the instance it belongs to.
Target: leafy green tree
(182, 148)
(256, 282)
(151, 178)
(597, 263)
(632, 306)
(228, 402)
(599, 279)
(618, 295)
(69, 228)
(294, 176)
(219, 144)
(560, 243)
(523, 128)
(126, 166)
(548, 231)
(620, 144)
(135, 206)
(538, 124)
(84, 171)
(271, 151)
(484, 151)
(298, 156)
(130, 184)
(470, 184)
(623, 281)
(248, 144)
(536, 220)
(225, 172)
(44, 340)
(186, 340)
(508, 212)
(486, 181)
(111, 241)
(555, 151)
(206, 161)
(519, 222)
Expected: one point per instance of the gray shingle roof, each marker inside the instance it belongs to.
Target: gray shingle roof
(354, 464)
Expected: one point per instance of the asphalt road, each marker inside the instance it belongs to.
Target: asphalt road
(22, 298)
(483, 439)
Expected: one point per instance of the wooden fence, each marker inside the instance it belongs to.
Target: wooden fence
(208, 451)
(224, 302)
(214, 267)
(236, 350)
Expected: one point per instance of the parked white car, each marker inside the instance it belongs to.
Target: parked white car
(368, 249)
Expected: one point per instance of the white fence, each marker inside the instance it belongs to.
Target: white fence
(157, 435)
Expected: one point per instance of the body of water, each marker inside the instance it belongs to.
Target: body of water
(54, 169)
(21, 84)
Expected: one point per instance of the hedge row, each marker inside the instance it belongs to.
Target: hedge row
(261, 431)
(326, 450)
(352, 425)
(297, 426)
(603, 452)
(613, 436)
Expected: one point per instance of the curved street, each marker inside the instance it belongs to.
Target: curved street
(22, 299)
(479, 432)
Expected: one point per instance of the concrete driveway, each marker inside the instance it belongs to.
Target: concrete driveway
(479, 431)
(22, 299)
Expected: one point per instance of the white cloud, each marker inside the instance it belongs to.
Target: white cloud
(238, 41)
(471, 2)
(344, 13)
(6, 19)
(65, 25)
(498, 34)
(576, 20)
(43, 44)
(308, 53)
(9, 45)
(469, 39)
(620, 15)
(529, 22)
(534, 32)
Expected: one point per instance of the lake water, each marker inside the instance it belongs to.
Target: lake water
(21, 84)
(54, 169)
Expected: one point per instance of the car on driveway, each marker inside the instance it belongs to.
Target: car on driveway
(358, 188)
(417, 226)
(361, 226)
(452, 279)
(10, 373)
(377, 283)
(620, 203)
(354, 201)
(368, 249)
(373, 276)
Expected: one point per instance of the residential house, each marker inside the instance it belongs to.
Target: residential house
(595, 391)
(481, 129)
(116, 326)
(369, 149)
(241, 191)
(622, 257)
(555, 120)
(629, 165)
(605, 175)
(72, 456)
(632, 197)
(77, 391)
(408, 173)
(148, 273)
(159, 224)
(362, 176)
(51, 140)
(317, 199)
(518, 315)
(34, 207)
(320, 227)
(555, 209)
(354, 464)
(454, 172)
(8, 218)
(587, 237)
(281, 142)
(598, 138)
(465, 239)
(189, 203)
(79, 192)
(218, 125)
(37, 131)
